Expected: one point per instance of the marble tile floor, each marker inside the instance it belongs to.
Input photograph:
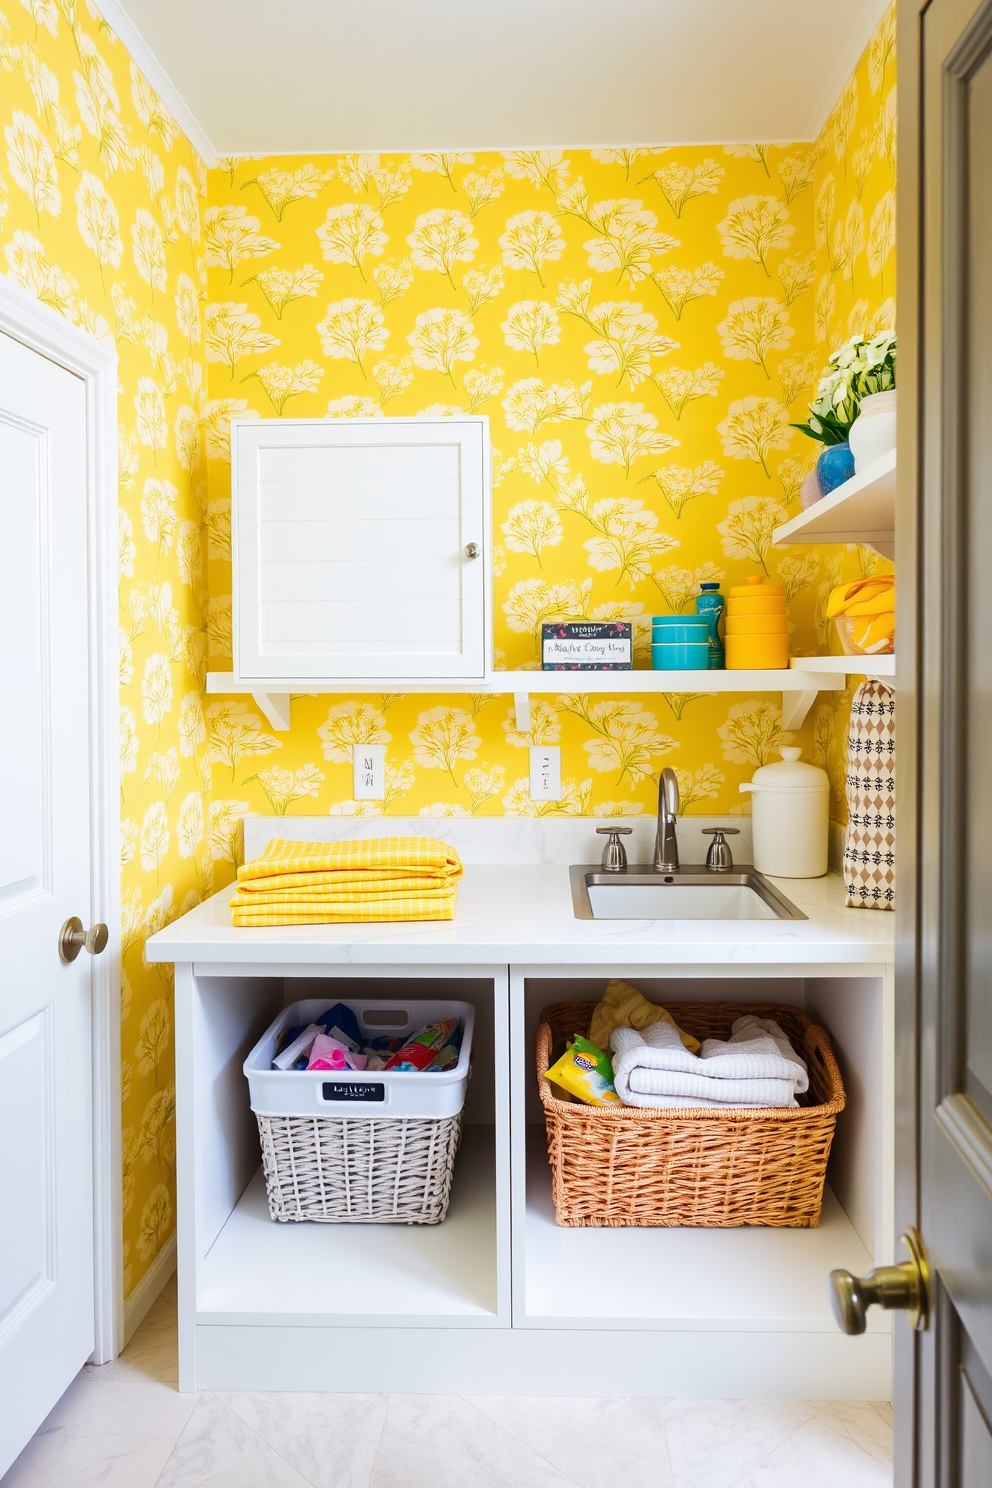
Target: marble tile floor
(126, 1426)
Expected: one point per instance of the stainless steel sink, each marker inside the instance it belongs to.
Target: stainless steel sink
(690, 893)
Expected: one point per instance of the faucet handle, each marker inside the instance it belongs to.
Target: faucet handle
(719, 857)
(614, 853)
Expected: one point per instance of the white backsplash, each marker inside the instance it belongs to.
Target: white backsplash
(503, 839)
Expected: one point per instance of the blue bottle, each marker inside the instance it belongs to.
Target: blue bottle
(709, 603)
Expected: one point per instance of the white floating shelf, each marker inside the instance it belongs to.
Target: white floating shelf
(272, 695)
(862, 510)
(879, 667)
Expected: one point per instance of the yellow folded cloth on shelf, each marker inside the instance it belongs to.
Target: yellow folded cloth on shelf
(386, 878)
(304, 912)
(622, 1006)
(384, 856)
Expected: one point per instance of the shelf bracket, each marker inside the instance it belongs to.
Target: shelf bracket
(275, 706)
(795, 706)
(521, 710)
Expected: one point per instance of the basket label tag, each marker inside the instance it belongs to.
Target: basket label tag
(374, 1090)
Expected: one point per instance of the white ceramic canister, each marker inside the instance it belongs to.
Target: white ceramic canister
(873, 433)
(790, 818)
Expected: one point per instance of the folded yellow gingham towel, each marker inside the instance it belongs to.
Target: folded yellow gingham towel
(386, 878)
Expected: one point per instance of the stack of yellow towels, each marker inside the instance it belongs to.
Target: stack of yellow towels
(326, 883)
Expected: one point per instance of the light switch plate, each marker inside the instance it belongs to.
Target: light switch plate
(370, 772)
(545, 772)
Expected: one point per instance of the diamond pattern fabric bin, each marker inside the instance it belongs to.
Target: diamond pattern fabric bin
(870, 843)
(621, 1166)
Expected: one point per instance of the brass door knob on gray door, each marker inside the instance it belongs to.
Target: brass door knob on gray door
(902, 1288)
(73, 939)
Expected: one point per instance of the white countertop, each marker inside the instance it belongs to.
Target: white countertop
(522, 913)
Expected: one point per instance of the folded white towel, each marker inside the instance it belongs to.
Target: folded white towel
(756, 1066)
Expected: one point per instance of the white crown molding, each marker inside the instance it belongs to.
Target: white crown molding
(654, 147)
(138, 48)
(861, 34)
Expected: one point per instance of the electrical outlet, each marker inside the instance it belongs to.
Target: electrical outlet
(545, 772)
(370, 772)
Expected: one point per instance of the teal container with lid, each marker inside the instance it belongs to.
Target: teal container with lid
(709, 605)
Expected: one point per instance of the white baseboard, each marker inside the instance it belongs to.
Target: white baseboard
(145, 1293)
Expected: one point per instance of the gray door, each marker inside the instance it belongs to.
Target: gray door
(944, 1375)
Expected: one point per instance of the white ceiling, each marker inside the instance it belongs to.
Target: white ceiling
(308, 76)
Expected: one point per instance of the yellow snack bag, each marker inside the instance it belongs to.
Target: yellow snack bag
(586, 1072)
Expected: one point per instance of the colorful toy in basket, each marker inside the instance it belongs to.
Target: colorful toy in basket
(419, 1053)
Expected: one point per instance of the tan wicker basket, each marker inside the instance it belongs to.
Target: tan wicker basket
(618, 1166)
(344, 1170)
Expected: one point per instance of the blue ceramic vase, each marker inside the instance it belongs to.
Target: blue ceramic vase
(834, 467)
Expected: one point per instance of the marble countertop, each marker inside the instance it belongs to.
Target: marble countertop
(521, 912)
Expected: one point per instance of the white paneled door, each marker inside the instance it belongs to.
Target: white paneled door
(46, 1200)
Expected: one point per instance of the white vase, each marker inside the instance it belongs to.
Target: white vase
(873, 433)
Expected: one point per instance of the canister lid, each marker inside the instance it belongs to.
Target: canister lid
(790, 773)
(757, 584)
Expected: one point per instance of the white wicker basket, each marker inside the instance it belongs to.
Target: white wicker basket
(369, 1167)
(345, 1170)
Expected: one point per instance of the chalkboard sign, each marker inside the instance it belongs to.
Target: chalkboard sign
(345, 1091)
(587, 645)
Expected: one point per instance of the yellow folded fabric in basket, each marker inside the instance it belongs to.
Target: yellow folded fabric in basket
(623, 1006)
(388, 878)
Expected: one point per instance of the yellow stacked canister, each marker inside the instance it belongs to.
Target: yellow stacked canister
(757, 626)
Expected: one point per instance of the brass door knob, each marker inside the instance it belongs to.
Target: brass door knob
(73, 939)
(902, 1288)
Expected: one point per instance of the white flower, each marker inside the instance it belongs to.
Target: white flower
(351, 232)
(148, 249)
(156, 688)
(32, 164)
(441, 338)
(149, 407)
(351, 328)
(621, 432)
(753, 226)
(531, 240)
(231, 235)
(98, 222)
(232, 332)
(530, 325)
(440, 239)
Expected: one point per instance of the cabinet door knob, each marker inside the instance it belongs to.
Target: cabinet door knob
(73, 939)
(471, 550)
(902, 1288)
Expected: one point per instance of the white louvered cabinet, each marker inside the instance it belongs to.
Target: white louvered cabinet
(361, 550)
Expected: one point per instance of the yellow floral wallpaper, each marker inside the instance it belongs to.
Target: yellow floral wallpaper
(640, 325)
(854, 205)
(101, 201)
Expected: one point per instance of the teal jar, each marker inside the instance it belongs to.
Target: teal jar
(709, 604)
(679, 643)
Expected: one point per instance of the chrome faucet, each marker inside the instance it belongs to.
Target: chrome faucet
(666, 850)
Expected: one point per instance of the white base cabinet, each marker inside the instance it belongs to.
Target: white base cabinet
(499, 1299)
